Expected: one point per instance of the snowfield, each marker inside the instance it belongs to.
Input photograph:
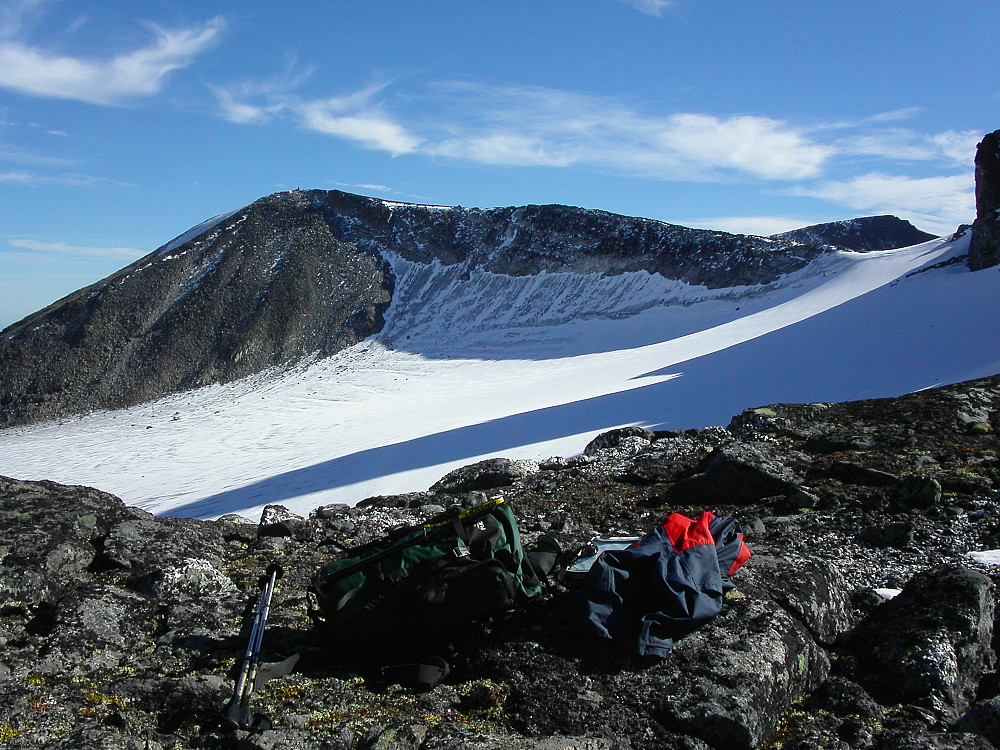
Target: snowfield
(481, 365)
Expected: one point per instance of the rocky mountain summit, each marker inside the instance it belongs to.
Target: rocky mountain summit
(861, 235)
(119, 629)
(984, 248)
(308, 273)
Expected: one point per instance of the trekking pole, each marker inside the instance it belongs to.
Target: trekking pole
(237, 711)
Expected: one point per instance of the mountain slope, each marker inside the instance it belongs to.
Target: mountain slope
(377, 418)
(260, 287)
(307, 273)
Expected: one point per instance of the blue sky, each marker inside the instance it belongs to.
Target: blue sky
(123, 123)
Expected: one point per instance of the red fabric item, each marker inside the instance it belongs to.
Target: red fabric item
(741, 558)
(684, 533)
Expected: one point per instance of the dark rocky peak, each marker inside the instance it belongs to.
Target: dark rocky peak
(860, 235)
(984, 248)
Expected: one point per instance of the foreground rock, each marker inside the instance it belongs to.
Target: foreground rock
(930, 645)
(122, 630)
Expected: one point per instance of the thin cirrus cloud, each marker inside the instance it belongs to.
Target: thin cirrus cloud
(16, 155)
(763, 226)
(532, 126)
(33, 179)
(65, 250)
(955, 148)
(649, 7)
(356, 117)
(257, 101)
(142, 72)
(537, 126)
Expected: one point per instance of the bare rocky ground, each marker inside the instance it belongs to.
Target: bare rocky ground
(122, 630)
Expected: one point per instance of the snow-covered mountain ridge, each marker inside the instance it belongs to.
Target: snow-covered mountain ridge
(306, 274)
(392, 414)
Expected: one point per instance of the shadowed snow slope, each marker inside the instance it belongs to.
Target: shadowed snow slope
(529, 367)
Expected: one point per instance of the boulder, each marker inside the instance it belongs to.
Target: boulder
(855, 473)
(813, 591)
(612, 438)
(930, 645)
(518, 743)
(665, 460)
(485, 475)
(839, 443)
(898, 534)
(845, 699)
(278, 521)
(919, 492)
(741, 473)
(754, 645)
(144, 544)
(121, 629)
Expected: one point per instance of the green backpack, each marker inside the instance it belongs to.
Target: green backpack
(400, 604)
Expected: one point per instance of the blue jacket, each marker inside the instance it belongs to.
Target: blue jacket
(667, 585)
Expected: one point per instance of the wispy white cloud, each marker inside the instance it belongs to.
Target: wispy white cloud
(525, 126)
(15, 14)
(957, 148)
(32, 179)
(650, 7)
(356, 118)
(511, 149)
(543, 127)
(937, 203)
(363, 186)
(759, 146)
(38, 71)
(16, 155)
(235, 108)
(894, 115)
(260, 100)
(66, 250)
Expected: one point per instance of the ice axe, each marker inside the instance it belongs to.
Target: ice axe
(237, 712)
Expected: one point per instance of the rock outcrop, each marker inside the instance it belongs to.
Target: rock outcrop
(984, 247)
(122, 630)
